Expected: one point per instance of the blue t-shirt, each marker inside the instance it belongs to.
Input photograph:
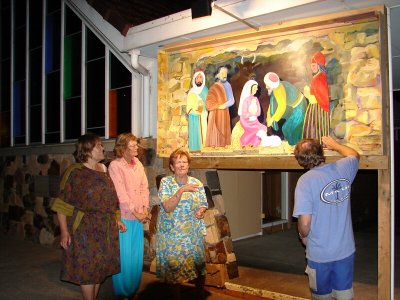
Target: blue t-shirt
(324, 193)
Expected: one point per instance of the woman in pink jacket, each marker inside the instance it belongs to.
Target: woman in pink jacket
(130, 181)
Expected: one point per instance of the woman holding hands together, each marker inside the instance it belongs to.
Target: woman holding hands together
(130, 181)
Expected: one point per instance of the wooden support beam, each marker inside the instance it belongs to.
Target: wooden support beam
(273, 162)
(384, 230)
(284, 27)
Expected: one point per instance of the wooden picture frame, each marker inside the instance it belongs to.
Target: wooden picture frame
(354, 46)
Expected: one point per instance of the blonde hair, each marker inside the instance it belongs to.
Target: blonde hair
(122, 142)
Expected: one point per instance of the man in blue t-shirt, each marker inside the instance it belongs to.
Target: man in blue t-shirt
(322, 206)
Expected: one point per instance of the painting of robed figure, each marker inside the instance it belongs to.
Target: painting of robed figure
(322, 81)
(197, 112)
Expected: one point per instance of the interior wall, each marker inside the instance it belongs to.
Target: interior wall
(241, 191)
(272, 196)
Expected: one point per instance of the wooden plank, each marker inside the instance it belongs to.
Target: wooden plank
(384, 66)
(371, 162)
(293, 26)
(384, 176)
(384, 255)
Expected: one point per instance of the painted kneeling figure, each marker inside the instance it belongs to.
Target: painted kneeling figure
(255, 133)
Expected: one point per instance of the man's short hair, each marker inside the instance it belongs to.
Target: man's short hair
(309, 153)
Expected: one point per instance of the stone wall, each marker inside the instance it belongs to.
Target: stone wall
(30, 183)
(357, 117)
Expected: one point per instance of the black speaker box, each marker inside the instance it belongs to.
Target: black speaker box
(201, 8)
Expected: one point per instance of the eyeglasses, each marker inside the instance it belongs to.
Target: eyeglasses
(132, 146)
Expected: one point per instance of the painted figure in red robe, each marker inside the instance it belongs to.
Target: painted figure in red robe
(317, 118)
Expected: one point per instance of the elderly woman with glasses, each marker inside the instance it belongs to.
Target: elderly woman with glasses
(130, 181)
(181, 229)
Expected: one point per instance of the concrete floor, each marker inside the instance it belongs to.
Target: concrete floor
(31, 271)
(270, 267)
(276, 262)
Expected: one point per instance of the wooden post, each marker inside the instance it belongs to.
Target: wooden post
(384, 234)
(384, 174)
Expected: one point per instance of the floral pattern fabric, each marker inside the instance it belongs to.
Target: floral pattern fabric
(180, 235)
(94, 251)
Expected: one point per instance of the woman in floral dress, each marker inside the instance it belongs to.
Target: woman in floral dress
(181, 229)
(88, 216)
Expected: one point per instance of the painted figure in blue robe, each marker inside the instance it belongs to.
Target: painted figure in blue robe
(286, 108)
(197, 112)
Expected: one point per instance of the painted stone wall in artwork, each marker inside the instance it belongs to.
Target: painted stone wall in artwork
(283, 88)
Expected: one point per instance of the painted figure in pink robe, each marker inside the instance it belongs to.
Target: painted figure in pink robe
(255, 133)
(317, 118)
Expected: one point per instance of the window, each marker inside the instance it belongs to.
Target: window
(72, 75)
(19, 63)
(95, 84)
(5, 72)
(32, 96)
(35, 95)
(53, 6)
(35, 71)
(52, 72)
(119, 98)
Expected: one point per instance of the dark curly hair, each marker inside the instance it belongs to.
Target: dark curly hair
(84, 146)
(176, 154)
(309, 153)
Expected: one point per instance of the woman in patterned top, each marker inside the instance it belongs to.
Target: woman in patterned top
(88, 214)
(181, 229)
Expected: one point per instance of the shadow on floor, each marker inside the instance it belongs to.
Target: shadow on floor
(276, 262)
(283, 252)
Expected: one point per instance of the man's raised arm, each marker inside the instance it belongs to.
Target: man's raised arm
(331, 144)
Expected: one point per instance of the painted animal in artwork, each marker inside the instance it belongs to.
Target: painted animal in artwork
(245, 72)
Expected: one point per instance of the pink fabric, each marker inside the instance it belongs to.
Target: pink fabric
(251, 127)
(132, 187)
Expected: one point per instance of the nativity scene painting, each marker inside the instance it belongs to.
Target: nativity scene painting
(263, 95)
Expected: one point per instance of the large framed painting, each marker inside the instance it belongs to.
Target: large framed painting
(257, 93)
